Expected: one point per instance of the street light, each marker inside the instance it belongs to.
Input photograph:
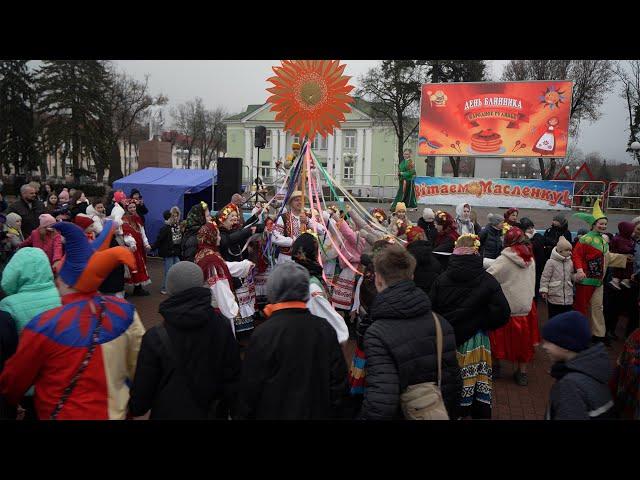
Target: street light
(635, 146)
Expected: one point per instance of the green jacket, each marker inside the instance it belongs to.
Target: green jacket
(27, 280)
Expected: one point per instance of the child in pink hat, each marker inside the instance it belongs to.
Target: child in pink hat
(46, 238)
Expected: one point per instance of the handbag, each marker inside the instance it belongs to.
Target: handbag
(423, 401)
(212, 410)
(95, 335)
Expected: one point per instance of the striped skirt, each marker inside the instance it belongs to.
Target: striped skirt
(474, 358)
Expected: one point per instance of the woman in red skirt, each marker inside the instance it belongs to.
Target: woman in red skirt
(132, 225)
(515, 270)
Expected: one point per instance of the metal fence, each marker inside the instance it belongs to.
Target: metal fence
(586, 192)
(623, 196)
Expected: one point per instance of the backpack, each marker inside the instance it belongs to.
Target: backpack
(423, 401)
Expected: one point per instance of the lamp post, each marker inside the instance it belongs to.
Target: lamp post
(517, 167)
(635, 146)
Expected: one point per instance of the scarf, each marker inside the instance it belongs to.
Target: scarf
(134, 221)
(207, 256)
(465, 251)
(195, 218)
(274, 307)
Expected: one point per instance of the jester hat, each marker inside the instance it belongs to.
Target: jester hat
(595, 215)
(86, 264)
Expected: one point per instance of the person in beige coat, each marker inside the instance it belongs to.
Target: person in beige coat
(515, 270)
(556, 282)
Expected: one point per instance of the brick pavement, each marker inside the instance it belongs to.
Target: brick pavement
(510, 401)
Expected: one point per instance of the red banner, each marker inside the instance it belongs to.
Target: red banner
(498, 119)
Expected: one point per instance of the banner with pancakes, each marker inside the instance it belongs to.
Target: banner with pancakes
(495, 119)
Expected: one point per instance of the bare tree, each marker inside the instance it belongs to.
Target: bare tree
(214, 136)
(188, 118)
(592, 81)
(393, 90)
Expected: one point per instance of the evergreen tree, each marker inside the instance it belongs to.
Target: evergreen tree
(70, 102)
(17, 130)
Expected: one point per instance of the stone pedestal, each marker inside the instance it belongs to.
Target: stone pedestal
(154, 153)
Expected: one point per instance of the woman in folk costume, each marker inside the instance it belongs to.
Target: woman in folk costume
(46, 238)
(132, 225)
(399, 222)
(464, 223)
(218, 275)
(406, 176)
(262, 254)
(196, 218)
(82, 355)
(352, 247)
(591, 258)
(473, 303)
(515, 270)
(233, 240)
(233, 237)
(305, 252)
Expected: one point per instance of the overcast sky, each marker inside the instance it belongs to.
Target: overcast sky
(234, 84)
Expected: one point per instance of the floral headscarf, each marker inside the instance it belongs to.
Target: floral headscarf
(517, 241)
(305, 252)
(196, 217)
(207, 257)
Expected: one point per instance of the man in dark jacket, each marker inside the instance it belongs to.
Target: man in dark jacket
(400, 344)
(29, 208)
(168, 243)
(189, 370)
(294, 368)
(559, 228)
(491, 237)
(581, 391)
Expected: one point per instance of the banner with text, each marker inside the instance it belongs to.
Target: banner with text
(495, 119)
(498, 192)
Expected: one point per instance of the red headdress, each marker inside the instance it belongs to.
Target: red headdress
(413, 231)
(517, 241)
(226, 211)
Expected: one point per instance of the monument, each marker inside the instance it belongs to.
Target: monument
(154, 152)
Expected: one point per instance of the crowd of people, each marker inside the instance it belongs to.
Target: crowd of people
(259, 311)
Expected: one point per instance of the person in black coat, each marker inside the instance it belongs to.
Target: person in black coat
(168, 242)
(559, 228)
(427, 267)
(141, 209)
(469, 298)
(537, 242)
(400, 344)
(196, 218)
(294, 368)
(191, 372)
(474, 304)
(491, 237)
(29, 208)
(427, 223)
(8, 346)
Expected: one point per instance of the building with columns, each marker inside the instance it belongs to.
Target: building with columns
(361, 153)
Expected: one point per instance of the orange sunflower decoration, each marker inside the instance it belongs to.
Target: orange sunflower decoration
(310, 96)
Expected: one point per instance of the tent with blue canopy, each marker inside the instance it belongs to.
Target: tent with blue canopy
(163, 188)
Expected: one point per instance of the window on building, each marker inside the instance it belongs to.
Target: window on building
(296, 139)
(350, 139)
(348, 174)
(265, 170)
(319, 143)
(268, 142)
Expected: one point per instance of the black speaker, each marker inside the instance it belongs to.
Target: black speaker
(260, 137)
(228, 181)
